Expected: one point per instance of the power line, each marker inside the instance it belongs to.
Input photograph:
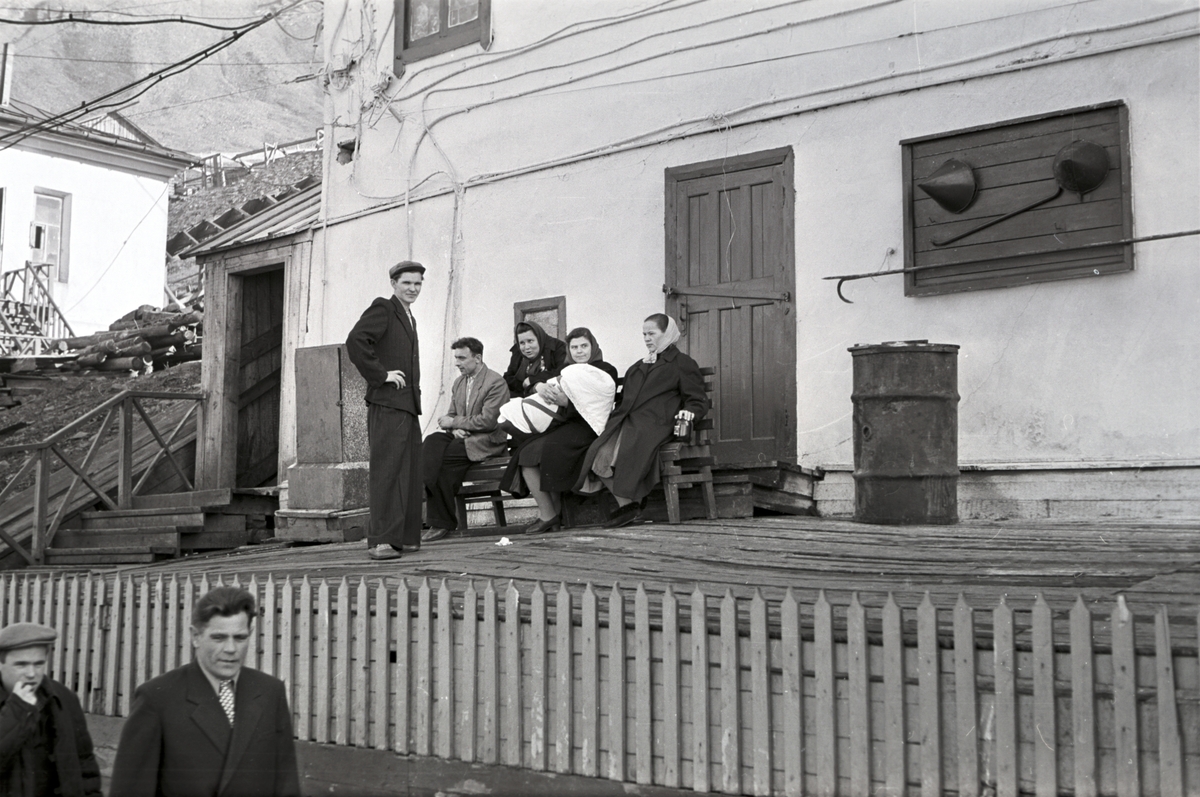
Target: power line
(206, 99)
(158, 63)
(71, 18)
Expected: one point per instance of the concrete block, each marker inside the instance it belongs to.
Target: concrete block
(333, 486)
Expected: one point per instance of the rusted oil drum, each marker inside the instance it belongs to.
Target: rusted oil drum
(906, 432)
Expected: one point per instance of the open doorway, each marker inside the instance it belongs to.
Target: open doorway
(259, 341)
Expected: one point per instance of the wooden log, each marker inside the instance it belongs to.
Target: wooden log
(91, 360)
(124, 364)
(133, 347)
(156, 331)
(177, 338)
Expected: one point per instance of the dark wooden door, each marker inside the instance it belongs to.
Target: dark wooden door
(730, 277)
(261, 365)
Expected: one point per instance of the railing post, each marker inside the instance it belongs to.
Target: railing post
(125, 461)
(41, 488)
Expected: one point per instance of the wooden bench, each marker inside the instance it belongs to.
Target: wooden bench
(683, 464)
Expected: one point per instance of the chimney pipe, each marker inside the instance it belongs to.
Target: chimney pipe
(6, 73)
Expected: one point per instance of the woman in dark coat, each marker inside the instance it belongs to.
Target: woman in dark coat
(535, 358)
(548, 464)
(660, 389)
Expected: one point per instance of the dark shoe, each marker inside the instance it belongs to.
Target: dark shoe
(542, 526)
(624, 516)
(410, 548)
(433, 534)
(382, 551)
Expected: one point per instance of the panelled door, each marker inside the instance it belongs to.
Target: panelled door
(730, 278)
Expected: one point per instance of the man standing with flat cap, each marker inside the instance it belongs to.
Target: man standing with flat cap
(211, 728)
(45, 748)
(383, 346)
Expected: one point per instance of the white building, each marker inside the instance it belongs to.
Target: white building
(87, 206)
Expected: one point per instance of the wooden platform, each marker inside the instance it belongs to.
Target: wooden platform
(1157, 562)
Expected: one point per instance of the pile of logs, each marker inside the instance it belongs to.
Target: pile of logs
(142, 340)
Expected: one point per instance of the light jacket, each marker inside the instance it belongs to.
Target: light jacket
(488, 393)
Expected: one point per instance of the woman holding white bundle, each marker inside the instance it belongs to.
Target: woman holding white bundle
(549, 456)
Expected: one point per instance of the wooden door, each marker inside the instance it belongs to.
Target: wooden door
(730, 277)
(261, 366)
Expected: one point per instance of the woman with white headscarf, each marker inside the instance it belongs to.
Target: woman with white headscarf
(664, 386)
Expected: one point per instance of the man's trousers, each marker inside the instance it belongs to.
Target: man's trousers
(446, 464)
(395, 479)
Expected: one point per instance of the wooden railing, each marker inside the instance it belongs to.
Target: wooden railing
(28, 309)
(701, 692)
(40, 460)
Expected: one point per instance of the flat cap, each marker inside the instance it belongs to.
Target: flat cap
(403, 266)
(24, 635)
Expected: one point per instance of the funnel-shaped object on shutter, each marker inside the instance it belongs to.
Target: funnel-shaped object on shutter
(1081, 166)
(952, 186)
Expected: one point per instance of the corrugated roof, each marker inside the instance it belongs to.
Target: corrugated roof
(293, 215)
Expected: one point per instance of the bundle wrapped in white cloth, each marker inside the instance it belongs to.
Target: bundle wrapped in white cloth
(589, 389)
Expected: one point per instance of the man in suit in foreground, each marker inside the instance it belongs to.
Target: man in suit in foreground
(468, 434)
(211, 728)
(383, 347)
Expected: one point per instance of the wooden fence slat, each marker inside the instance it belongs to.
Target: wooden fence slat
(91, 644)
(34, 604)
(1044, 723)
(12, 604)
(362, 663)
(423, 680)
(1124, 666)
(72, 662)
(643, 690)
(270, 627)
(966, 706)
(143, 633)
(185, 647)
(323, 646)
(157, 631)
(731, 699)
(537, 678)
(589, 686)
(512, 676)
(859, 697)
(760, 687)
(255, 628)
(61, 650)
(1006, 701)
(304, 670)
(467, 750)
(565, 686)
(490, 685)
(403, 670)
(175, 621)
(129, 643)
(701, 758)
(1170, 754)
(444, 706)
(1083, 700)
(894, 731)
(616, 684)
(826, 694)
(287, 645)
(670, 689)
(381, 640)
(6, 604)
(930, 694)
(793, 696)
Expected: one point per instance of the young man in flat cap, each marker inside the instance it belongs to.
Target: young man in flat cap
(45, 748)
(211, 728)
(383, 346)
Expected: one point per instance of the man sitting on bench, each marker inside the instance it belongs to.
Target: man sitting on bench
(468, 434)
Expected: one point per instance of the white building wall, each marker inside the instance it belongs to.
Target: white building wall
(1092, 370)
(118, 233)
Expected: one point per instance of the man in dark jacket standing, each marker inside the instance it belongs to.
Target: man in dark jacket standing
(45, 748)
(383, 346)
(211, 728)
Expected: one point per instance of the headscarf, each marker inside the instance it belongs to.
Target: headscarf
(584, 332)
(669, 338)
(538, 333)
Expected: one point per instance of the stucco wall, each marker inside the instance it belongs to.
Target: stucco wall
(118, 234)
(1085, 370)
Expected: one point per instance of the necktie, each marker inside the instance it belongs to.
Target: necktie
(225, 695)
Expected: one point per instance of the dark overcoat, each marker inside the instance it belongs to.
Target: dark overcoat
(653, 393)
(177, 741)
(74, 759)
(383, 340)
(563, 447)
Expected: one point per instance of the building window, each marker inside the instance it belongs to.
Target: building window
(429, 27)
(550, 314)
(50, 233)
(1031, 200)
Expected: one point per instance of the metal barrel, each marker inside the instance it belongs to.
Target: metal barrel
(906, 432)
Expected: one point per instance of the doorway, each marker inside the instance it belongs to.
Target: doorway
(730, 281)
(260, 368)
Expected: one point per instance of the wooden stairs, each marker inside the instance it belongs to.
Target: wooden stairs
(164, 527)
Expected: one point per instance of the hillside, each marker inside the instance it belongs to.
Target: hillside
(233, 102)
